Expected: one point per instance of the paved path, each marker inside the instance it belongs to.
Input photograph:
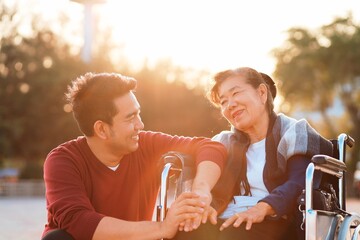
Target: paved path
(24, 218)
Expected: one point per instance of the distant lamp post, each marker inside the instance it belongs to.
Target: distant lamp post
(88, 27)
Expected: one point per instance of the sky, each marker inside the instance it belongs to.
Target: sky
(212, 35)
(218, 34)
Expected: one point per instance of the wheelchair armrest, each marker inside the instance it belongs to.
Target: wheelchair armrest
(175, 158)
(328, 163)
(182, 162)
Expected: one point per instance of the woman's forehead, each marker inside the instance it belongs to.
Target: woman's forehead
(232, 83)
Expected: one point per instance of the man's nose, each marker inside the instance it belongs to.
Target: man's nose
(139, 124)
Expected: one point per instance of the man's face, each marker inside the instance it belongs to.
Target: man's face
(124, 132)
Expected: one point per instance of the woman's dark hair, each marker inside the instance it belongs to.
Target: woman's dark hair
(270, 82)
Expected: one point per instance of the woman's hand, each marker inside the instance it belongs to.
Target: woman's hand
(255, 214)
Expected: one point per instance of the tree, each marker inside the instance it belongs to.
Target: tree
(34, 72)
(317, 68)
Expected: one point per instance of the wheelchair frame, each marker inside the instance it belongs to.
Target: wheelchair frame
(176, 177)
(319, 224)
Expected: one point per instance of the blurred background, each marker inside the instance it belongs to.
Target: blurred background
(173, 48)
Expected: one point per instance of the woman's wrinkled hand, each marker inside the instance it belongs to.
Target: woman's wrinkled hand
(255, 214)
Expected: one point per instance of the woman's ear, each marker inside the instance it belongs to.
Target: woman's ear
(100, 129)
(263, 92)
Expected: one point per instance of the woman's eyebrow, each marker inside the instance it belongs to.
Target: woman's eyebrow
(230, 90)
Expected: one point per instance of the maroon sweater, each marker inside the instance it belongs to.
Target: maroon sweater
(80, 190)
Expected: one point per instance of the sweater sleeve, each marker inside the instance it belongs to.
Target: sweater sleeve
(68, 205)
(201, 148)
(283, 198)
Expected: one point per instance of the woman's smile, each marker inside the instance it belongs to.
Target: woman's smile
(236, 114)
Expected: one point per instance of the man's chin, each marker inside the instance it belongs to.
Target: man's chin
(134, 147)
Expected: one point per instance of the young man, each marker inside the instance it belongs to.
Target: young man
(103, 185)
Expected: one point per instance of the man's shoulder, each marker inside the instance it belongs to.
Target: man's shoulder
(68, 148)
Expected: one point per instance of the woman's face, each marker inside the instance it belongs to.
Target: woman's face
(241, 104)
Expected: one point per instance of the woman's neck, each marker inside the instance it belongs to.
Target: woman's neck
(259, 131)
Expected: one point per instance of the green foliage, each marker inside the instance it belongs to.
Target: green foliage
(316, 68)
(34, 74)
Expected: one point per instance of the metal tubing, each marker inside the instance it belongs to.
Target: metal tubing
(309, 179)
(161, 209)
(341, 147)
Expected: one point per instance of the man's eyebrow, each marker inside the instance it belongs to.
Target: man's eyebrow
(132, 113)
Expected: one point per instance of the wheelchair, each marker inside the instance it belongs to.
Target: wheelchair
(330, 223)
(324, 223)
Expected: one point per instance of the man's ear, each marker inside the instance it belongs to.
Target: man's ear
(101, 129)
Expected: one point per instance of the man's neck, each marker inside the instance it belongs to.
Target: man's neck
(102, 153)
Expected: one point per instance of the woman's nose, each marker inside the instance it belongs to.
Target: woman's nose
(231, 104)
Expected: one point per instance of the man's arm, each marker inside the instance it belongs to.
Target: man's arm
(207, 174)
(186, 206)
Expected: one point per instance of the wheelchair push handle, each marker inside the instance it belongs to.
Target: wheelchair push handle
(349, 141)
(346, 139)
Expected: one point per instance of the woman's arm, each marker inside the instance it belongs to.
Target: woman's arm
(283, 198)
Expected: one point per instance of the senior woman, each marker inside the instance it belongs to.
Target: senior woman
(255, 198)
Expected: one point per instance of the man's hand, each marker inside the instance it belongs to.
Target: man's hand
(255, 214)
(187, 206)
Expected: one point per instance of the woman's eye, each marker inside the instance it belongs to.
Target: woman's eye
(222, 103)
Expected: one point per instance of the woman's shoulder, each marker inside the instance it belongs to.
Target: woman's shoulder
(286, 123)
(286, 119)
(223, 137)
